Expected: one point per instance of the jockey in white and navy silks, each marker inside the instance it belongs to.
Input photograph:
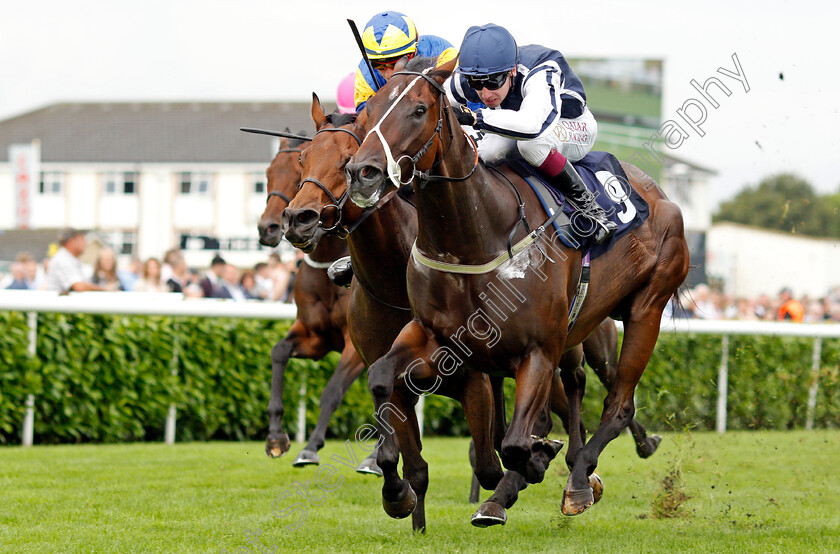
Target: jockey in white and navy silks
(532, 102)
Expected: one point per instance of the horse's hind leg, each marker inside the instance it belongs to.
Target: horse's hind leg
(600, 350)
(476, 396)
(348, 369)
(641, 329)
(300, 343)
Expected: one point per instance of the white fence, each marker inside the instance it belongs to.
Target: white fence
(129, 303)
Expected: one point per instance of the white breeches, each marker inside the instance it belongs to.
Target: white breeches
(571, 137)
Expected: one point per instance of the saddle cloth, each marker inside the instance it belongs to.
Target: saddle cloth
(604, 176)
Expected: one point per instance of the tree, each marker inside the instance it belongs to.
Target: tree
(783, 202)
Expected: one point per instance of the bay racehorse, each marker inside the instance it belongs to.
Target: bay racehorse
(380, 248)
(321, 323)
(469, 216)
(380, 245)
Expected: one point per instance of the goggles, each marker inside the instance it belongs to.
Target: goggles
(494, 81)
(388, 63)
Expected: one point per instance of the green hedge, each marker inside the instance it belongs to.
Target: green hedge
(112, 379)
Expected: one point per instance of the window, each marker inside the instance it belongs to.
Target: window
(195, 183)
(258, 180)
(123, 242)
(52, 182)
(120, 183)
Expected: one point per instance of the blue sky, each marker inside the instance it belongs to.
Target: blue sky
(85, 50)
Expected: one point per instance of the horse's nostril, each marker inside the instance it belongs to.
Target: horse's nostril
(306, 217)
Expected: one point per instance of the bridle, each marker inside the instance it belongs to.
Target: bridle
(277, 193)
(423, 177)
(338, 227)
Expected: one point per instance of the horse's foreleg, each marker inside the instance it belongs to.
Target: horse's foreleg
(415, 468)
(348, 369)
(299, 343)
(533, 383)
(408, 351)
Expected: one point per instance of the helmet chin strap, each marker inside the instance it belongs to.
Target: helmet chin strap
(393, 168)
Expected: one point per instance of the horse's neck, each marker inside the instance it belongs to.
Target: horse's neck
(381, 246)
(329, 249)
(466, 220)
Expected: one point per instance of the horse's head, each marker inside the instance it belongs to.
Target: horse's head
(318, 207)
(283, 177)
(406, 120)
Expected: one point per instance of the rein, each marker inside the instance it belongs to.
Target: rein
(278, 193)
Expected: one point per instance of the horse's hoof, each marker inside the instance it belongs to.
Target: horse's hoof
(490, 513)
(597, 487)
(369, 466)
(401, 508)
(275, 448)
(549, 447)
(307, 458)
(576, 501)
(650, 445)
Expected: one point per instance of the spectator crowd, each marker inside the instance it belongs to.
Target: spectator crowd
(272, 280)
(705, 302)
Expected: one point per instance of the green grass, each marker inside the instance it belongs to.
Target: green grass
(749, 492)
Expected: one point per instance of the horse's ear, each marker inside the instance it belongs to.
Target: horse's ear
(401, 63)
(361, 118)
(318, 115)
(442, 72)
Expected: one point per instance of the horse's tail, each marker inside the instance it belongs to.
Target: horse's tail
(683, 291)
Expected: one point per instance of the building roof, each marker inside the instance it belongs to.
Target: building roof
(154, 132)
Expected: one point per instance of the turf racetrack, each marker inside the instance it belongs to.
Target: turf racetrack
(747, 492)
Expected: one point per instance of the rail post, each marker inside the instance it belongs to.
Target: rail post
(28, 435)
(300, 436)
(171, 417)
(816, 354)
(723, 385)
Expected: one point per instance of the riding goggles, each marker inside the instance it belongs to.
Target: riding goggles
(494, 81)
(388, 63)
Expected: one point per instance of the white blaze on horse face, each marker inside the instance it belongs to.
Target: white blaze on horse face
(394, 93)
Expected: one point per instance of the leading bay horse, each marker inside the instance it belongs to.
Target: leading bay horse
(321, 323)
(475, 306)
(380, 247)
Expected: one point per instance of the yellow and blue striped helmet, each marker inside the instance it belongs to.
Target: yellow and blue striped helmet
(389, 35)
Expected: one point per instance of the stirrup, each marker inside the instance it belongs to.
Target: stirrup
(341, 272)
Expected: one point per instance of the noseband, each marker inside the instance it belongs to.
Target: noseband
(423, 177)
(338, 227)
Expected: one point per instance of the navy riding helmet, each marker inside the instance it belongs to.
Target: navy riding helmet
(487, 49)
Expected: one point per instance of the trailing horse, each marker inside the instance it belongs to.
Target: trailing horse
(321, 323)
(470, 224)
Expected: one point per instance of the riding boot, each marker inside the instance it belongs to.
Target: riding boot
(341, 272)
(571, 185)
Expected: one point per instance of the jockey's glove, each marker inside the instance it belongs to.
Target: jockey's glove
(464, 115)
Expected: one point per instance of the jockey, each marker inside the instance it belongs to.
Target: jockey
(534, 103)
(387, 37)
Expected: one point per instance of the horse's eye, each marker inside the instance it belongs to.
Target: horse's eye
(419, 111)
(300, 159)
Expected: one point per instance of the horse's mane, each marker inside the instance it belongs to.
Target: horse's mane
(420, 63)
(295, 141)
(338, 119)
